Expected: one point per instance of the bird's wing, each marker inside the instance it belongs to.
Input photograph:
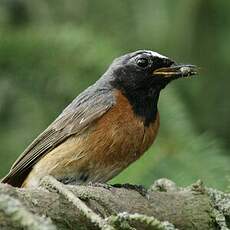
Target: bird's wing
(85, 109)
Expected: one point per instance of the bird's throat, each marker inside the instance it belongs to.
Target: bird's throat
(144, 103)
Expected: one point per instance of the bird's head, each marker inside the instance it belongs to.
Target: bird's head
(144, 69)
(140, 76)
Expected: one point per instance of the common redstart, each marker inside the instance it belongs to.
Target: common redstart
(106, 128)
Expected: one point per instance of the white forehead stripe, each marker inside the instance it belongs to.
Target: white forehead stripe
(155, 54)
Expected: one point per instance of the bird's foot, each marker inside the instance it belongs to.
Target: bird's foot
(102, 185)
(139, 188)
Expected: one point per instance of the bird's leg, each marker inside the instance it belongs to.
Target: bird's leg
(139, 188)
(102, 185)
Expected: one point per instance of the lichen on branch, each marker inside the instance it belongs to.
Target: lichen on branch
(163, 206)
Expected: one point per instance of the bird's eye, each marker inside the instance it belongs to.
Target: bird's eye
(142, 62)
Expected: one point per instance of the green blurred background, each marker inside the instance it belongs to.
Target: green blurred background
(51, 50)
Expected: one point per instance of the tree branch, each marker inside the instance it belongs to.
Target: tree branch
(163, 206)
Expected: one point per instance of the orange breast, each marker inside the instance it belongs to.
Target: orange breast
(120, 135)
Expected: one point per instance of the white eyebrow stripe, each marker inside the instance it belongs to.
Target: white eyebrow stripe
(155, 54)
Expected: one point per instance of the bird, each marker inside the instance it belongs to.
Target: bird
(105, 128)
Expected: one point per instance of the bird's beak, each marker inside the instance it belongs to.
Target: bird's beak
(176, 71)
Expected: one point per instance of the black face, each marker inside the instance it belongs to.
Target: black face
(135, 71)
(141, 75)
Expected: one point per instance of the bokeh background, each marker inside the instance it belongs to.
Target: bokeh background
(51, 50)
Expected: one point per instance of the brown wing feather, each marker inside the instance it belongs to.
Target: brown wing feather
(73, 120)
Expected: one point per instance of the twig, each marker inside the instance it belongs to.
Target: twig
(221, 203)
(150, 221)
(51, 184)
(18, 214)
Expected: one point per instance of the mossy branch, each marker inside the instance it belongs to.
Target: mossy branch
(163, 206)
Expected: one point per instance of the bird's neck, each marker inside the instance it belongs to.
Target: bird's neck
(144, 103)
